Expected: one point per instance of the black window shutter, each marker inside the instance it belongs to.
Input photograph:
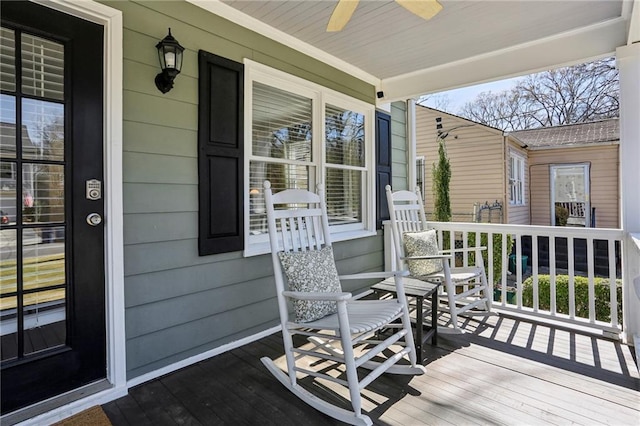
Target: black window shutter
(220, 154)
(383, 165)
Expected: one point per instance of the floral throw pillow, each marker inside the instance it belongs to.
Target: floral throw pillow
(311, 271)
(423, 243)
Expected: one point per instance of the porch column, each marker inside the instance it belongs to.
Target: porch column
(628, 62)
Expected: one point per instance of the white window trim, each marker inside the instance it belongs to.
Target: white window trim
(521, 160)
(254, 71)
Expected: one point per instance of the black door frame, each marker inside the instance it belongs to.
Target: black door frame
(111, 20)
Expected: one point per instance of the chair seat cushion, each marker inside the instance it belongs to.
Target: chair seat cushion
(424, 243)
(364, 316)
(311, 271)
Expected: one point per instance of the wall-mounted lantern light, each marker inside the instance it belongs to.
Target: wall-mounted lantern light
(170, 55)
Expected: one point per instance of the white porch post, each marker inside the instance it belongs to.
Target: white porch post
(628, 61)
(411, 144)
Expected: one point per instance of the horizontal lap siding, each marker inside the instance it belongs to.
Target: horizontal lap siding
(605, 194)
(399, 155)
(476, 157)
(179, 304)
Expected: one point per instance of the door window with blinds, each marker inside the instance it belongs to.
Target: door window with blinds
(303, 134)
(32, 194)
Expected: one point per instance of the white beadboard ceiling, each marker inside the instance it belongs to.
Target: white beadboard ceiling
(469, 41)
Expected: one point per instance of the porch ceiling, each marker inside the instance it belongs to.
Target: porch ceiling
(469, 41)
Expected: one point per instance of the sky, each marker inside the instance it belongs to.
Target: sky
(458, 97)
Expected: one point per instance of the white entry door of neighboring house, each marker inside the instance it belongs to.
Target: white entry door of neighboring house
(570, 193)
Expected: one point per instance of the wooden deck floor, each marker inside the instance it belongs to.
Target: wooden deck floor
(505, 371)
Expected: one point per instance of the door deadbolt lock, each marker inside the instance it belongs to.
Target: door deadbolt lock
(93, 189)
(94, 219)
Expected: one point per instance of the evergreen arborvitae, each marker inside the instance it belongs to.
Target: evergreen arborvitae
(441, 178)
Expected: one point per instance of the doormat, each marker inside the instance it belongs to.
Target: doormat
(93, 416)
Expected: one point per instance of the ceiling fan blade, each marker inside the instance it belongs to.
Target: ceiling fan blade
(341, 14)
(426, 9)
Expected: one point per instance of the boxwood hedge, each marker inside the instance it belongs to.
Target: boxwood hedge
(602, 295)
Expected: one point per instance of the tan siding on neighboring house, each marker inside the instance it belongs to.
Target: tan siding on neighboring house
(604, 166)
(476, 156)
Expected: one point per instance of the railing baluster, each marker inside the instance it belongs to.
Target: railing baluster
(534, 272)
(490, 272)
(572, 284)
(552, 275)
(613, 288)
(505, 264)
(518, 239)
(590, 273)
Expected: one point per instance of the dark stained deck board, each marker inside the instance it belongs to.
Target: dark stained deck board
(131, 412)
(161, 407)
(240, 385)
(504, 371)
(296, 410)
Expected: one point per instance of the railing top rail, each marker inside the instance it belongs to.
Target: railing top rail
(545, 231)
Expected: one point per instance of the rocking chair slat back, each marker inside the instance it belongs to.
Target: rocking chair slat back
(297, 222)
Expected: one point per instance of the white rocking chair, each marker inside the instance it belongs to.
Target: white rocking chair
(302, 255)
(466, 288)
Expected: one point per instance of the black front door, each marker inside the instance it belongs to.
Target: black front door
(52, 293)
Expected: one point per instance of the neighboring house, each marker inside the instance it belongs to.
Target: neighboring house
(488, 179)
(163, 260)
(575, 167)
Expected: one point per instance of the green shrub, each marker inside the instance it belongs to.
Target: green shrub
(562, 214)
(497, 252)
(581, 285)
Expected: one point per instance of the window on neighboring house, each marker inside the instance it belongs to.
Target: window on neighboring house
(516, 179)
(420, 164)
(302, 134)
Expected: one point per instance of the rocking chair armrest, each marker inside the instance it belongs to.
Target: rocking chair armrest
(433, 256)
(309, 295)
(374, 275)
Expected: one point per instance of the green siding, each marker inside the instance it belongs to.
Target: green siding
(172, 294)
(399, 154)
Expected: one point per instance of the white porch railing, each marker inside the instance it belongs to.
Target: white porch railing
(564, 253)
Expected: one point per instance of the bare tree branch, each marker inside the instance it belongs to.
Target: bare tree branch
(581, 93)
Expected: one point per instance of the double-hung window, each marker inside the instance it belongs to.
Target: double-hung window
(302, 134)
(516, 179)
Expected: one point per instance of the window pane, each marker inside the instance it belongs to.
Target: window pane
(8, 268)
(42, 193)
(7, 60)
(42, 67)
(44, 258)
(7, 126)
(344, 131)
(44, 320)
(281, 124)
(9, 327)
(344, 196)
(44, 136)
(281, 176)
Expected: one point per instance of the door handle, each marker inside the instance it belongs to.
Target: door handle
(94, 219)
